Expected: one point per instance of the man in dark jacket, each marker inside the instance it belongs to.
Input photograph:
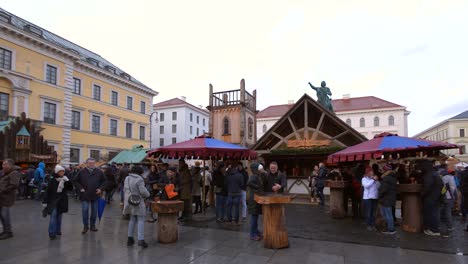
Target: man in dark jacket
(123, 173)
(320, 185)
(254, 185)
(275, 181)
(387, 198)
(243, 202)
(432, 187)
(91, 182)
(220, 191)
(9, 183)
(464, 191)
(234, 183)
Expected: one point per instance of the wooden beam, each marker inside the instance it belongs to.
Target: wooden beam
(340, 135)
(277, 135)
(306, 121)
(319, 126)
(294, 128)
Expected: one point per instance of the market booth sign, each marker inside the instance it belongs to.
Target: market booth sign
(306, 143)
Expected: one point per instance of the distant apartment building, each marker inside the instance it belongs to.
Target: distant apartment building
(177, 120)
(369, 115)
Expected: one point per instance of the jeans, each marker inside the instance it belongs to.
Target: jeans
(320, 195)
(431, 215)
(233, 201)
(370, 205)
(85, 206)
(138, 220)
(388, 217)
(5, 219)
(220, 206)
(254, 226)
(55, 223)
(243, 204)
(446, 213)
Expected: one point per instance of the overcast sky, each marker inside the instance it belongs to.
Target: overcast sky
(412, 53)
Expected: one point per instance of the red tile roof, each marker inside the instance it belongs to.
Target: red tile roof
(174, 102)
(339, 105)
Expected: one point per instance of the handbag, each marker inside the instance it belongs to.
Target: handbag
(133, 199)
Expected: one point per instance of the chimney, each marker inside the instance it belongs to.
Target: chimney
(346, 96)
(290, 102)
(183, 98)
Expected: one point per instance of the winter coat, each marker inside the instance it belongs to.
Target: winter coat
(322, 175)
(39, 173)
(254, 186)
(464, 188)
(371, 188)
(134, 184)
(245, 177)
(234, 182)
(219, 182)
(53, 199)
(110, 180)
(123, 173)
(185, 184)
(196, 191)
(432, 183)
(388, 189)
(8, 186)
(451, 191)
(272, 179)
(90, 182)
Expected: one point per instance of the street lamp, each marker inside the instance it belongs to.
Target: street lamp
(151, 127)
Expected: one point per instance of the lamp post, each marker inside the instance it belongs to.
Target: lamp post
(151, 127)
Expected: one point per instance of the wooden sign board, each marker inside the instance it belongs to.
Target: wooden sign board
(307, 143)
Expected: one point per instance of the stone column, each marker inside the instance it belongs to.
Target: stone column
(67, 114)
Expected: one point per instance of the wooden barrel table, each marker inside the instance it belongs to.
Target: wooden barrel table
(337, 188)
(411, 207)
(167, 220)
(275, 235)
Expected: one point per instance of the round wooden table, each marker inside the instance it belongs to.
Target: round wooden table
(275, 235)
(167, 220)
(337, 209)
(411, 207)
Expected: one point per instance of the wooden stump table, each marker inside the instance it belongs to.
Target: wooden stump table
(167, 219)
(337, 209)
(275, 235)
(411, 207)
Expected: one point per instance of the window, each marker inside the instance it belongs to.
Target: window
(128, 130)
(362, 122)
(462, 132)
(161, 142)
(76, 86)
(198, 120)
(161, 129)
(142, 133)
(174, 128)
(97, 92)
(129, 103)
(204, 121)
(250, 127)
(161, 117)
(348, 122)
(174, 140)
(391, 121)
(74, 155)
(95, 123)
(191, 117)
(95, 154)
(142, 107)
(114, 98)
(50, 113)
(376, 121)
(113, 127)
(4, 105)
(51, 74)
(112, 154)
(198, 131)
(174, 115)
(76, 120)
(191, 130)
(226, 126)
(264, 128)
(5, 59)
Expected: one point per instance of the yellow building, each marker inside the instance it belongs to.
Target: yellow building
(87, 106)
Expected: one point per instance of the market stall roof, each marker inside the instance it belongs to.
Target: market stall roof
(135, 155)
(386, 143)
(204, 147)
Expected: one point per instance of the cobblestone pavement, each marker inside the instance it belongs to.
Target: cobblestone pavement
(211, 243)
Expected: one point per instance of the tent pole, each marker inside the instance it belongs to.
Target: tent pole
(203, 189)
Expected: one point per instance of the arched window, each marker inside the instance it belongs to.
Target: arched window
(362, 122)
(250, 127)
(226, 126)
(348, 121)
(376, 121)
(264, 128)
(391, 121)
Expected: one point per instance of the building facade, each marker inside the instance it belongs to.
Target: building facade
(453, 130)
(85, 105)
(368, 115)
(177, 121)
(233, 116)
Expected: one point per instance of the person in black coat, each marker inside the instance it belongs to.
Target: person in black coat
(220, 189)
(432, 187)
(91, 182)
(464, 191)
(254, 185)
(55, 200)
(387, 198)
(111, 183)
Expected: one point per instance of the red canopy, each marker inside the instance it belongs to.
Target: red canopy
(204, 148)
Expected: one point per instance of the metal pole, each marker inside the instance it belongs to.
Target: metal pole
(151, 127)
(203, 188)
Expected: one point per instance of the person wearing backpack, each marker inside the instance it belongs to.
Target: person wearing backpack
(448, 199)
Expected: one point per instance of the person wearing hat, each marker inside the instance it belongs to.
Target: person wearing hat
(255, 184)
(387, 198)
(55, 200)
(371, 185)
(9, 183)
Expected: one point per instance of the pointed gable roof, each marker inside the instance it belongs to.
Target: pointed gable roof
(307, 119)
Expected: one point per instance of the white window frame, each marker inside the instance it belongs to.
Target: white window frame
(58, 103)
(89, 152)
(81, 85)
(144, 108)
(131, 131)
(132, 102)
(81, 119)
(110, 121)
(100, 122)
(110, 97)
(57, 81)
(13, 57)
(139, 132)
(79, 156)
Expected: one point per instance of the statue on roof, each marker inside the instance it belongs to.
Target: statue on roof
(323, 95)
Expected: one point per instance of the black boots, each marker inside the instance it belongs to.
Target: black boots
(141, 243)
(130, 241)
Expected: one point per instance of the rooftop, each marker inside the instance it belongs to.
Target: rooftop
(177, 102)
(274, 111)
(461, 116)
(85, 55)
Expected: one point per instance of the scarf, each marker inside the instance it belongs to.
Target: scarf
(61, 181)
